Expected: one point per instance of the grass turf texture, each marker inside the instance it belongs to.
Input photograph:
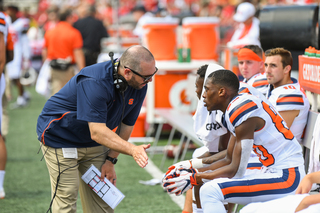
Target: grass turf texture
(27, 183)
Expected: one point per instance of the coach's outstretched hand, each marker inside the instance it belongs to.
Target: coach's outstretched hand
(140, 156)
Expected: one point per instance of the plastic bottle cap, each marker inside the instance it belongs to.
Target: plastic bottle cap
(312, 50)
(306, 52)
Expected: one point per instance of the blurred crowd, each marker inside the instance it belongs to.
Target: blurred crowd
(47, 14)
(125, 15)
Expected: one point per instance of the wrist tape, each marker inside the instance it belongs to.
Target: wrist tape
(196, 163)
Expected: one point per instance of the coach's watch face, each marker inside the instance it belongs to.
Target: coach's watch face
(112, 160)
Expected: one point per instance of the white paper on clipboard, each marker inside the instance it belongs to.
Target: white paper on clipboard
(104, 189)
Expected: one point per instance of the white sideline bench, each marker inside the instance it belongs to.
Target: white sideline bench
(312, 117)
(180, 121)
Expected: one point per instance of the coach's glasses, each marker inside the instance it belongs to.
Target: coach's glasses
(145, 78)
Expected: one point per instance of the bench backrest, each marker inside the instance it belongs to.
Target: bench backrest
(306, 141)
(312, 117)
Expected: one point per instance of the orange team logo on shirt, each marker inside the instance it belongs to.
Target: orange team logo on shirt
(130, 101)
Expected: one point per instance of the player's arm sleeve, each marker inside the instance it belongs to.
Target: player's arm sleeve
(243, 146)
(290, 101)
(245, 109)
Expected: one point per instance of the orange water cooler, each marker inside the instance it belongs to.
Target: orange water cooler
(160, 37)
(139, 127)
(202, 36)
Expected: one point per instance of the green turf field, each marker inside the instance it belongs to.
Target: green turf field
(27, 184)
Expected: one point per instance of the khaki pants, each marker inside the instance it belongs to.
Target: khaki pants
(59, 78)
(70, 180)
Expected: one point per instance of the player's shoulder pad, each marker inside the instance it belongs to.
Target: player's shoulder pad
(242, 106)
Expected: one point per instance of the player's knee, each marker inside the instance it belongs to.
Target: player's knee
(210, 191)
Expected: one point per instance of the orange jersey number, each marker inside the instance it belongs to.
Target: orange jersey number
(278, 122)
(265, 157)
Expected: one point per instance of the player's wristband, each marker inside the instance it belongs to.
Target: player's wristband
(196, 163)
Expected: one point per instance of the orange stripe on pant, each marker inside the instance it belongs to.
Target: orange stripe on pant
(262, 187)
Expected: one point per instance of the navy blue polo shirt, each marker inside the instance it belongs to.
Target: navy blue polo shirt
(90, 96)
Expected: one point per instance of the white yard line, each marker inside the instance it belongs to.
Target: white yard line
(156, 173)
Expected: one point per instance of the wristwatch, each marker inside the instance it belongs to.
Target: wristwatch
(113, 160)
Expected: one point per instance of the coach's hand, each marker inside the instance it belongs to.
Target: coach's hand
(107, 171)
(140, 156)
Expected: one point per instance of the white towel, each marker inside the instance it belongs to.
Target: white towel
(43, 85)
(314, 164)
(202, 117)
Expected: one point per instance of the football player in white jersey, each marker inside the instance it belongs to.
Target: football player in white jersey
(212, 133)
(18, 29)
(285, 93)
(251, 66)
(254, 124)
(3, 150)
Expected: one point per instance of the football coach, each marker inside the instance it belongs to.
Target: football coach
(75, 126)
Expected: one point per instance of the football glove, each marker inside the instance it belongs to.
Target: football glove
(171, 173)
(180, 165)
(187, 164)
(180, 181)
